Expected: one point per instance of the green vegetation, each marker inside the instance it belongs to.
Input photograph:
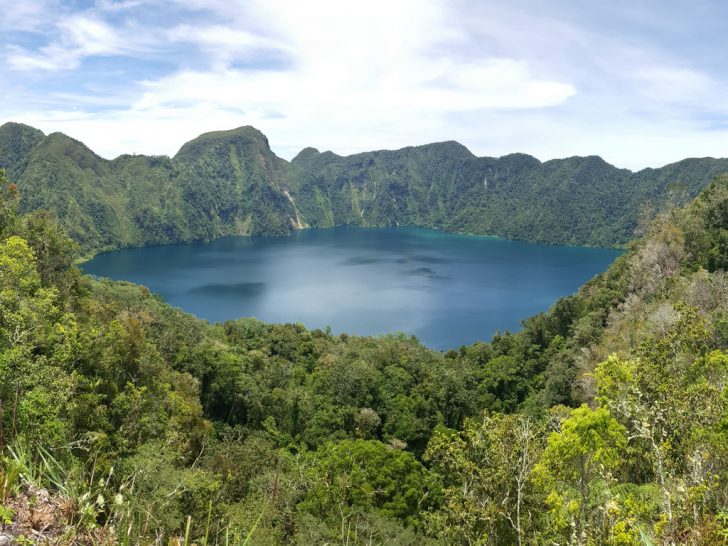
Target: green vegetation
(604, 421)
(230, 182)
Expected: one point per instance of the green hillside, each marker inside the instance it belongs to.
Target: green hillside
(218, 184)
(230, 182)
(124, 420)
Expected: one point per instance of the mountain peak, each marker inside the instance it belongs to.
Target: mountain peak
(306, 153)
(448, 146)
(16, 127)
(17, 140)
(246, 133)
(61, 143)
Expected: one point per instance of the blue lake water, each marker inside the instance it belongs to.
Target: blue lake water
(446, 289)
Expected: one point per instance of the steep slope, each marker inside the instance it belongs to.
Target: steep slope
(64, 176)
(578, 200)
(16, 144)
(219, 184)
(230, 182)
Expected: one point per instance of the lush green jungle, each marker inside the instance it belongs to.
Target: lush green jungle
(230, 182)
(126, 421)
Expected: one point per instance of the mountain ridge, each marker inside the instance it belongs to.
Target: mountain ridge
(231, 182)
(8, 125)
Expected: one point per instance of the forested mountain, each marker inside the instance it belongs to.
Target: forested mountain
(124, 420)
(230, 182)
(218, 184)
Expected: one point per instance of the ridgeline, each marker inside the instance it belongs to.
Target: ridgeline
(230, 182)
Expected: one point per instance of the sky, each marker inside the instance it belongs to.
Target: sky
(640, 83)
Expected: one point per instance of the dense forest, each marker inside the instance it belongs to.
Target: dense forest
(124, 420)
(230, 182)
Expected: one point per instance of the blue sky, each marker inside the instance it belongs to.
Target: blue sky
(640, 83)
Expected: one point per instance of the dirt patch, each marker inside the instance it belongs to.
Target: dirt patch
(41, 517)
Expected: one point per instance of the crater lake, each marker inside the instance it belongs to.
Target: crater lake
(446, 289)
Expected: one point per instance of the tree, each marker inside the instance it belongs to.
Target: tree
(368, 475)
(8, 203)
(487, 469)
(36, 345)
(670, 398)
(578, 458)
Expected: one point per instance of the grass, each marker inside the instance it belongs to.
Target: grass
(99, 511)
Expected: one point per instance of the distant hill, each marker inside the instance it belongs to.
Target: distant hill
(230, 182)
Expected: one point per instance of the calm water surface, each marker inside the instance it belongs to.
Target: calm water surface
(446, 289)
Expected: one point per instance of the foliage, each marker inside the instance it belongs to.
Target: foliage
(369, 475)
(603, 421)
(576, 469)
(487, 470)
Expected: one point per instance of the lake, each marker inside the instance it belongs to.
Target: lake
(446, 289)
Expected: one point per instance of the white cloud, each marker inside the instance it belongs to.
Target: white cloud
(223, 45)
(671, 85)
(357, 71)
(27, 15)
(80, 36)
(354, 76)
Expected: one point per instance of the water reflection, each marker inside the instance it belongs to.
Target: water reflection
(446, 289)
